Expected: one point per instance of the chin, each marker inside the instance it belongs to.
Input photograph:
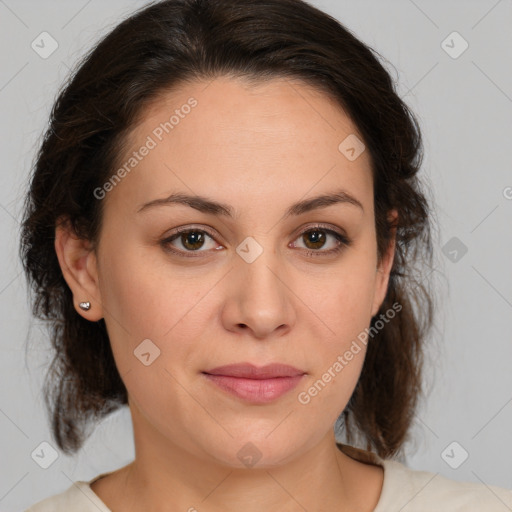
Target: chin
(256, 451)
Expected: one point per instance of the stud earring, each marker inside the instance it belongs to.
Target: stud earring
(85, 306)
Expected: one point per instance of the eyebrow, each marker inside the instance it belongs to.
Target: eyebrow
(206, 205)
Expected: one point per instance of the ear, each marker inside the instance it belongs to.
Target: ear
(384, 268)
(78, 263)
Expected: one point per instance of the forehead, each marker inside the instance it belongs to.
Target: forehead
(228, 137)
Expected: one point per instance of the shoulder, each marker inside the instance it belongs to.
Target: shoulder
(412, 490)
(79, 497)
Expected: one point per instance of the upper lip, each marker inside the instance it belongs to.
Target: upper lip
(249, 371)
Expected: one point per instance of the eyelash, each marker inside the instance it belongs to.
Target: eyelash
(342, 239)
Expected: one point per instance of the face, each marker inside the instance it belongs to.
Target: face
(253, 281)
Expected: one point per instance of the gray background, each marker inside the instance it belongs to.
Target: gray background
(465, 108)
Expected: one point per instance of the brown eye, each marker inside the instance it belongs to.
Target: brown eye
(316, 238)
(189, 241)
(192, 240)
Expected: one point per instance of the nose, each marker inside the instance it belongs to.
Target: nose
(260, 298)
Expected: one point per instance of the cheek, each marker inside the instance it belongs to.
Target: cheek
(145, 299)
(342, 300)
(139, 291)
(152, 325)
(343, 306)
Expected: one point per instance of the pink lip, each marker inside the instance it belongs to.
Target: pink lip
(256, 385)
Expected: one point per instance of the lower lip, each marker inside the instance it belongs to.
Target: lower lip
(253, 390)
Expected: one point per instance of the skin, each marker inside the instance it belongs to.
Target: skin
(240, 145)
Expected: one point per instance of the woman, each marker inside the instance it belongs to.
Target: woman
(221, 226)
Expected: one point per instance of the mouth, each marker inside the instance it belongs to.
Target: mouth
(257, 385)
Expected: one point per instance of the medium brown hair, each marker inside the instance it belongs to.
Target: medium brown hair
(166, 44)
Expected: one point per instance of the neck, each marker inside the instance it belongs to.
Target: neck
(166, 477)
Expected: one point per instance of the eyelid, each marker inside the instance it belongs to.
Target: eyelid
(321, 225)
(192, 227)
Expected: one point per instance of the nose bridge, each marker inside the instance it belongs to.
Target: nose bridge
(259, 266)
(261, 293)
